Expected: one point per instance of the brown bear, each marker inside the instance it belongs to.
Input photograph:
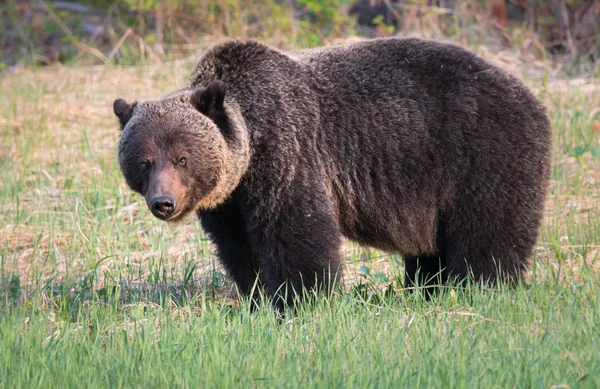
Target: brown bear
(409, 146)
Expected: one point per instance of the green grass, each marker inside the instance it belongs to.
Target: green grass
(540, 337)
(95, 292)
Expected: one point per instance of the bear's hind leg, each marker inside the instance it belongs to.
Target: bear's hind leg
(487, 265)
(488, 257)
(428, 272)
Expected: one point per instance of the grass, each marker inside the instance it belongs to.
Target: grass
(541, 337)
(94, 292)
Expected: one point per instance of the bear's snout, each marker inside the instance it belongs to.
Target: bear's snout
(162, 206)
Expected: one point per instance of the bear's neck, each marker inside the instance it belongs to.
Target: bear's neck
(235, 158)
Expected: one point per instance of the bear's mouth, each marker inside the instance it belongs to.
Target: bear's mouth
(177, 216)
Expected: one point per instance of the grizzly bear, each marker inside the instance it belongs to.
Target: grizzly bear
(408, 146)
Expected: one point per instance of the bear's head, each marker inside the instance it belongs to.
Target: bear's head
(185, 152)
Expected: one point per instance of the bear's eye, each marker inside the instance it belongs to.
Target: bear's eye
(182, 162)
(145, 164)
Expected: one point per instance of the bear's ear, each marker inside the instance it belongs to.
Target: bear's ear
(123, 110)
(209, 101)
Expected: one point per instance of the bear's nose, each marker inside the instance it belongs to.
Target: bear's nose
(162, 206)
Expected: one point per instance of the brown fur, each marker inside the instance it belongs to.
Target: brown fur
(409, 146)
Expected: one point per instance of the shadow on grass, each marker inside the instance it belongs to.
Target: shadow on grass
(68, 298)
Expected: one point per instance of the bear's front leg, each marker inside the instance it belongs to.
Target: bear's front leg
(226, 228)
(298, 241)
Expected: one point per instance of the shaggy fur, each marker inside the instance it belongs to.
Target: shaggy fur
(409, 146)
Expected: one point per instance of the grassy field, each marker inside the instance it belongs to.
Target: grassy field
(95, 292)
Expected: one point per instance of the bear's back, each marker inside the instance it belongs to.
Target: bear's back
(414, 124)
(394, 62)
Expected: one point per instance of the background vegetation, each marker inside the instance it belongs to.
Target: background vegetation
(95, 292)
(138, 31)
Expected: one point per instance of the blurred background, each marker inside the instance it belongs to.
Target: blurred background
(141, 31)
